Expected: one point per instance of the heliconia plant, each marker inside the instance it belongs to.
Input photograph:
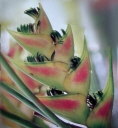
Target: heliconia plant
(52, 63)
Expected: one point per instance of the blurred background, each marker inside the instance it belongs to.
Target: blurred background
(96, 19)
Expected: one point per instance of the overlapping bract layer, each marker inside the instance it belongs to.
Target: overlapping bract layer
(56, 75)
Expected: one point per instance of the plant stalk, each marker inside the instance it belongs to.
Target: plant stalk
(17, 119)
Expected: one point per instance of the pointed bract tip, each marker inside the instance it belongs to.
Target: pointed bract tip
(68, 28)
(84, 48)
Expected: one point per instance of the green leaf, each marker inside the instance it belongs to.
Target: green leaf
(20, 97)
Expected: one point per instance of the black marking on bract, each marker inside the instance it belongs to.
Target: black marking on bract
(54, 92)
(39, 57)
(58, 35)
(91, 101)
(52, 56)
(38, 9)
(31, 27)
(55, 35)
(75, 61)
(18, 29)
(31, 74)
(38, 24)
(100, 93)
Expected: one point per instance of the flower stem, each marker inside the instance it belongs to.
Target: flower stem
(19, 120)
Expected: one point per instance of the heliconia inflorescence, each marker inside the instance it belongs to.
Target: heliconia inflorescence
(52, 63)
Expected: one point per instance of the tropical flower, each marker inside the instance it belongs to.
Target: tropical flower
(52, 63)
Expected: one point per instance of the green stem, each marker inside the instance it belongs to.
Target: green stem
(17, 119)
(17, 95)
(30, 95)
